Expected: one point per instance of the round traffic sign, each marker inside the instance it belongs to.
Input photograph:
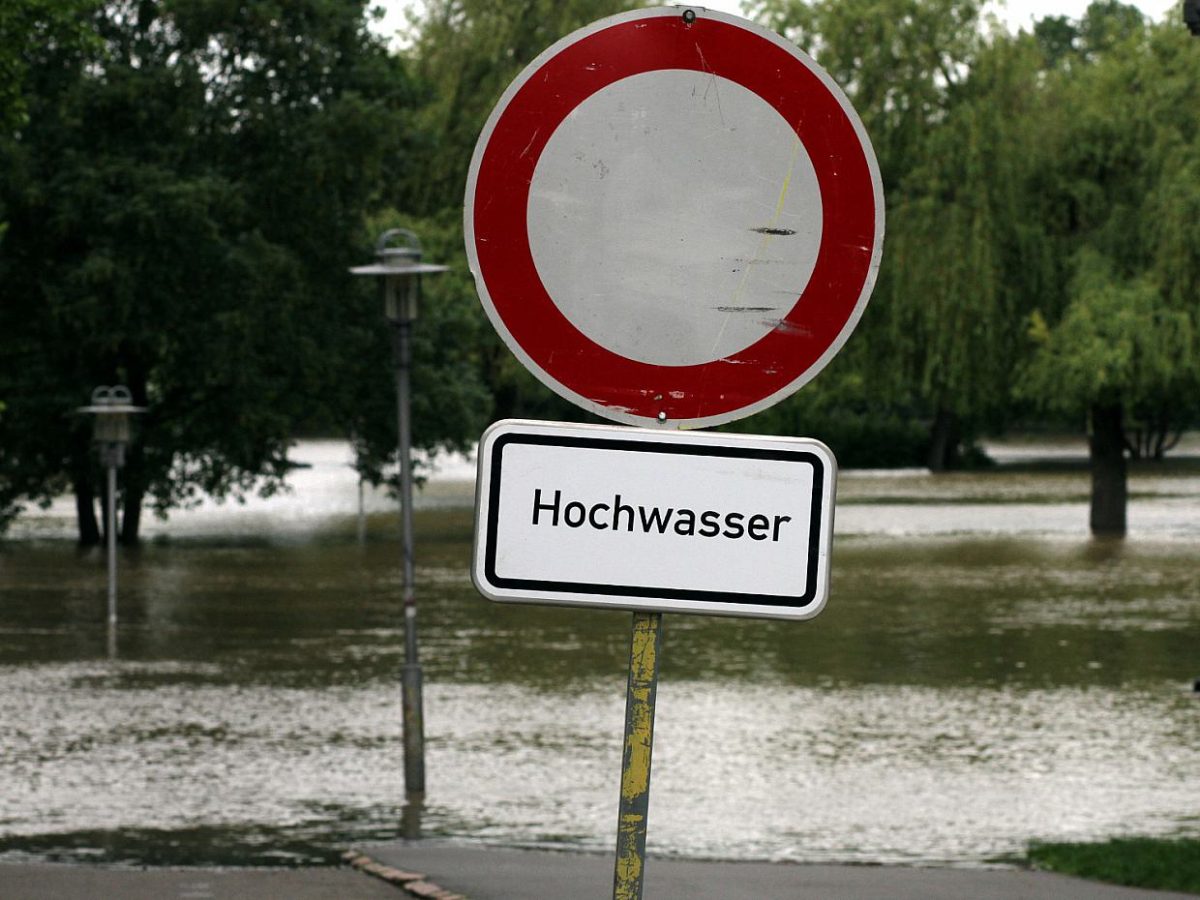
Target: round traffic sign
(674, 217)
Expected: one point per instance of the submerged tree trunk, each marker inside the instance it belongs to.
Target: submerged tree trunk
(944, 440)
(84, 489)
(1106, 455)
(134, 473)
(131, 517)
(85, 513)
(132, 496)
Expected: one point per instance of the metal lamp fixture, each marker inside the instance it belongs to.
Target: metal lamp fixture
(399, 269)
(111, 431)
(111, 408)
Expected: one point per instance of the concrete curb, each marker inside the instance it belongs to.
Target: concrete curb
(520, 874)
(413, 883)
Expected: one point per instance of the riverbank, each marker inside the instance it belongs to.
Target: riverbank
(1039, 486)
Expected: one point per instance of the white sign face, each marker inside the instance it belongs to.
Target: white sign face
(699, 236)
(638, 519)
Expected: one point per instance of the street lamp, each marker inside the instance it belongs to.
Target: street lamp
(111, 407)
(399, 270)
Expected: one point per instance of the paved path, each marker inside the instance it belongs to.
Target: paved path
(48, 881)
(492, 874)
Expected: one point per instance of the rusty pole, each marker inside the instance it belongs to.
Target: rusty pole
(644, 650)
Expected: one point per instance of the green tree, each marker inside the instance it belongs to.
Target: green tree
(26, 26)
(1116, 347)
(969, 251)
(184, 204)
(1121, 347)
(1056, 36)
(901, 62)
(465, 53)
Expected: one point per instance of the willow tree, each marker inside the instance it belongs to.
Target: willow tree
(953, 112)
(901, 62)
(969, 252)
(465, 53)
(1116, 347)
(1122, 350)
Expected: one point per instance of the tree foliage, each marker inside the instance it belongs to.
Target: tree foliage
(1126, 167)
(27, 27)
(465, 53)
(184, 203)
(187, 182)
(1045, 178)
(1116, 343)
(900, 61)
(971, 256)
(948, 109)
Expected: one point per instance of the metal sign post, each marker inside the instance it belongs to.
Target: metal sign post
(674, 219)
(638, 745)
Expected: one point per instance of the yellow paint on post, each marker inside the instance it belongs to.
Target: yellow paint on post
(635, 760)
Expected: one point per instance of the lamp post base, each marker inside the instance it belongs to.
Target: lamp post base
(414, 730)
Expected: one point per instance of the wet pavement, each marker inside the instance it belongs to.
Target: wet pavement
(64, 882)
(495, 874)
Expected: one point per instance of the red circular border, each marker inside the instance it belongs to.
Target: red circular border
(501, 201)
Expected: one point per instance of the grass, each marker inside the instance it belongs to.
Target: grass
(1169, 864)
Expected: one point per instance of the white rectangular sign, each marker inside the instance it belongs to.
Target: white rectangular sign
(594, 515)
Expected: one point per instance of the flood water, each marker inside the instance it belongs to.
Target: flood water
(984, 674)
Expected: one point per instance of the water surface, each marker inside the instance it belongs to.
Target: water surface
(983, 675)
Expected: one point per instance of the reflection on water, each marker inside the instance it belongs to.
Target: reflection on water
(984, 674)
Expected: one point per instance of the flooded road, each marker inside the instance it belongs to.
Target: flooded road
(984, 674)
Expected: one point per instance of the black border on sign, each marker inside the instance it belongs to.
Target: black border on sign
(623, 590)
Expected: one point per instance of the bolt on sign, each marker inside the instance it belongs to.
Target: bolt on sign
(674, 219)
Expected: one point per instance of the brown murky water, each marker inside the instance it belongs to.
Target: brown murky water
(984, 674)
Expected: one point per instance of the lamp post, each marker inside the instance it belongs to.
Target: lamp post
(399, 270)
(111, 408)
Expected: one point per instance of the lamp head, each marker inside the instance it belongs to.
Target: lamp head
(399, 267)
(111, 407)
